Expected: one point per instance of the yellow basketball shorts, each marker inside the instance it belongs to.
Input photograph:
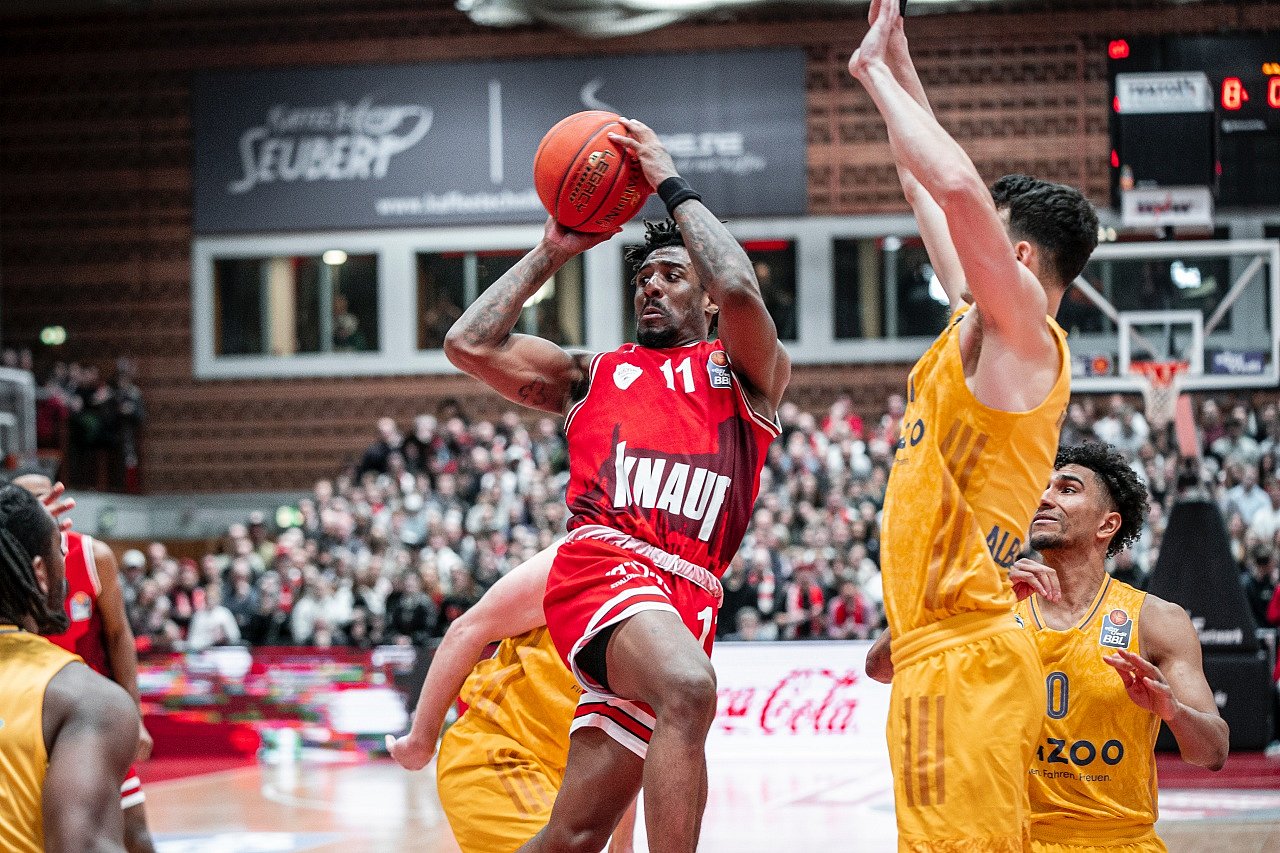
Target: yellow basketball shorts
(1153, 845)
(965, 714)
(496, 793)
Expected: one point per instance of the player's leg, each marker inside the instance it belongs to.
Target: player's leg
(495, 793)
(962, 731)
(601, 780)
(654, 659)
(137, 838)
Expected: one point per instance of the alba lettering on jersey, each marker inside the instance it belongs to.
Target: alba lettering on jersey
(647, 482)
(1004, 548)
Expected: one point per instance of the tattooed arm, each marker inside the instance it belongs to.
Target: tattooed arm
(525, 369)
(746, 329)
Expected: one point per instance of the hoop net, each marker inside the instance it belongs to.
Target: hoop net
(1160, 389)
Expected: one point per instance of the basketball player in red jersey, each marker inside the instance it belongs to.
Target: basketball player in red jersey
(666, 441)
(100, 634)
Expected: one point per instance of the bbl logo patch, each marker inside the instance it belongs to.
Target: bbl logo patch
(1117, 628)
(80, 607)
(718, 370)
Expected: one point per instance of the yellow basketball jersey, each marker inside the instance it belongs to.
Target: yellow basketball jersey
(524, 692)
(966, 480)
(1093, 779)
(27, 664)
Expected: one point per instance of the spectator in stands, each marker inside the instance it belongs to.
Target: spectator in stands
(464, 592)
(850, 614)
(269, 623)
(211, 623)
(1211, 424)
(1266, 521)
(240, 596)
(1077, 428)
(803, 605)
(750, 627)
(1124, 427)
(739, 593)
(1260, 583)
(375, 455)
(411, 614)
(127, 416)
(1246, 496)
(1235, 446)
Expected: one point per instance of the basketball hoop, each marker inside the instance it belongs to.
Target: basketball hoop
(1160, 389)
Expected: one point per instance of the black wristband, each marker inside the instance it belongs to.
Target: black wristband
(675, 191)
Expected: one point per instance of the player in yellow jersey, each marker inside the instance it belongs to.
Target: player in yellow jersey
(1117, 661)
(67, 735)
(977, 446)
(502, 763)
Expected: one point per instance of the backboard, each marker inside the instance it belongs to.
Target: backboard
(1212, 304)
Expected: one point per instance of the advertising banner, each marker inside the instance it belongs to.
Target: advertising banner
(797, 700)
(453, 143)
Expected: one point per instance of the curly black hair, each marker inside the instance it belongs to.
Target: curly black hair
(1056, 218)
(1128, 494)
(657, 235)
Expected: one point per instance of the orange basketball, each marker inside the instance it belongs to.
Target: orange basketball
(584, 180)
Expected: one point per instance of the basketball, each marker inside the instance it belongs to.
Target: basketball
(583, 179)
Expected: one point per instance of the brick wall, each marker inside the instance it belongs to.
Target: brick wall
(95, 179)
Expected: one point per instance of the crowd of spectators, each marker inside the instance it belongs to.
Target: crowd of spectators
(88, 423)
(422, 523)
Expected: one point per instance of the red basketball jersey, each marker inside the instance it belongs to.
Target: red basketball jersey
(665, 447)
(86, 635)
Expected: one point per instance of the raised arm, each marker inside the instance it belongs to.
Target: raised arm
(525, 369)
(930, 219)
(1169, 681)
(1013, 303)
(91, 733)
(745, 327)
(121, 649)
(511, 607)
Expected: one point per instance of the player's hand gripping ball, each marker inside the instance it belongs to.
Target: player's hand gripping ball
(584, 179)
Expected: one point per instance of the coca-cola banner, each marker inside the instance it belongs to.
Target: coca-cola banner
(797, 700)
(453, 143)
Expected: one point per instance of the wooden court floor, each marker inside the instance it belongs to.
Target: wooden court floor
(753, 807)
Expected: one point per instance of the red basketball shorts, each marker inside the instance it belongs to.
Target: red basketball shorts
(131, 791)
(601, 577)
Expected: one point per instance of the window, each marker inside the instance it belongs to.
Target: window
(914, 305)
(775, 267)
(288, 305)
(449, 281)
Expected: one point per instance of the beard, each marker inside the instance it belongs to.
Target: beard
(661, 338)
(1048, 541)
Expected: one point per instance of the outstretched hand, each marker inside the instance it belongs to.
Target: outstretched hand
(1028, 576)
(1145, 684)
(885, 18)
(643, 144)
(58, 505)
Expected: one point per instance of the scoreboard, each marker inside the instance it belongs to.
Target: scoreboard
(1244, 72)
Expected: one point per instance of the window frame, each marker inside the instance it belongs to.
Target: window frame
(604, 291)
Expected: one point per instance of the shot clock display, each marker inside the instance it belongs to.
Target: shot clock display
(1244, 71)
